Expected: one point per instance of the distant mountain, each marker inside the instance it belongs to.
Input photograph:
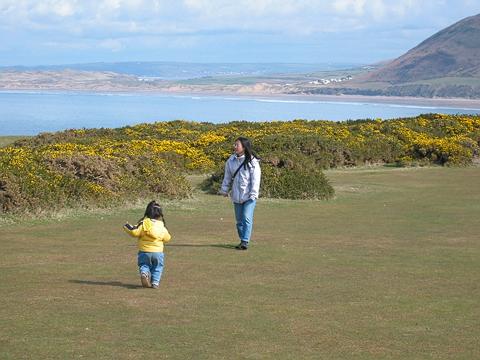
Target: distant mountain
(184, 70)
(451, 52)
(446, 65)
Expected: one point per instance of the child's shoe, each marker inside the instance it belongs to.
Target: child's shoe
(145, 279)
(155, 286)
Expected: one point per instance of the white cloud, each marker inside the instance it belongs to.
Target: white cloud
(114, 25)
(349, 6)
(60, 8)
(153, 16)
(111, 44)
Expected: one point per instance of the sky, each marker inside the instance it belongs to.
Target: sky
(38, 32)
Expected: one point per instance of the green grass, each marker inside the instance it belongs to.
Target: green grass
(389, 269)
(7, 140)
(272, 79)
(469, 81)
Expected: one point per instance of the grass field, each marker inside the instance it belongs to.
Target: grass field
(7, 140)
(389, 269)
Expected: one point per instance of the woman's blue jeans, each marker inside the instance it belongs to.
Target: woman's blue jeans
(151, 262)
(244, 218)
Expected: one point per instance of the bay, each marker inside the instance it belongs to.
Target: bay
(30, 113)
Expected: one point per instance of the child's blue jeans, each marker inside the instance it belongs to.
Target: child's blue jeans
(244, 217)
(151, 262)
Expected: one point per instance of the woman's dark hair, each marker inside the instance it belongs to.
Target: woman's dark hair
(247, 148)
(153, 211)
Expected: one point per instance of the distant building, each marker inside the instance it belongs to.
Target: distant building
(332, 80)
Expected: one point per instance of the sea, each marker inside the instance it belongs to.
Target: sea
(34, 112)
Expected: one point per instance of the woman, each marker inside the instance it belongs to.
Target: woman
(242, 175)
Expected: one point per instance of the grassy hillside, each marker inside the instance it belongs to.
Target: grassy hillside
(388, 269)
(453, 51)
(446, 65)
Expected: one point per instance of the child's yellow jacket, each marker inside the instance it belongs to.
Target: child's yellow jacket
(151, 234)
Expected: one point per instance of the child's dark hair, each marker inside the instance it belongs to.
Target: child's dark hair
(247, 148)
(154, 211)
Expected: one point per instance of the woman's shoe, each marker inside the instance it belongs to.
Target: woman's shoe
(242, 246)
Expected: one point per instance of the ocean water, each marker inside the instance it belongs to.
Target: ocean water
(30, 113)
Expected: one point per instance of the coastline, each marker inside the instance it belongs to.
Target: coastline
(143, 106)
(451, 103)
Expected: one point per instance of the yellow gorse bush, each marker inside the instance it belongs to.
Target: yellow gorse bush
(194, 157)
(58, 162)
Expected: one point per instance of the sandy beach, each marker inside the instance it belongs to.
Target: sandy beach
(394, 100)
(404, 101)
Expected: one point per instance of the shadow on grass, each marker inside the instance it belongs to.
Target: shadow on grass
(107, 283)
(223, 246)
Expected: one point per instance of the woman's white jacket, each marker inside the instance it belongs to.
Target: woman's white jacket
(246, 184)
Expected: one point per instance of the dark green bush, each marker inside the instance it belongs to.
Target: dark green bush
(283, 180)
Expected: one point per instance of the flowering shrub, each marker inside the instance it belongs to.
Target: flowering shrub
(105, 166)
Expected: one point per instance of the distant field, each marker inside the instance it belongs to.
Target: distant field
(389, 269)
(434, 82)
(272, 78)
(7, 140)
(246, 80)
(471, 81)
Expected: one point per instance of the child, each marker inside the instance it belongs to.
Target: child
(152, 234)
